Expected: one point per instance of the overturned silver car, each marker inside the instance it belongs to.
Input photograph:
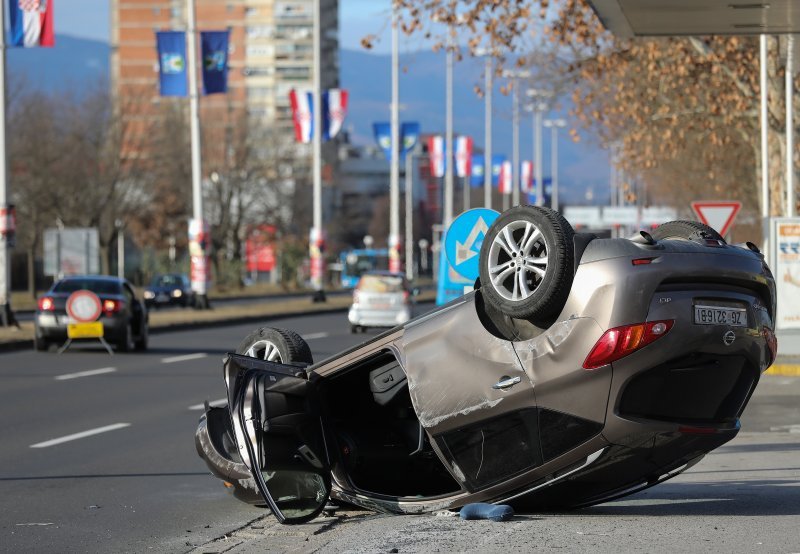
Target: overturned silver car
(579, 370)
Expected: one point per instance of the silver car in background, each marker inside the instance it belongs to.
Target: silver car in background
(380, 299)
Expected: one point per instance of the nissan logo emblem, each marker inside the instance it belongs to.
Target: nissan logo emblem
(728, 338)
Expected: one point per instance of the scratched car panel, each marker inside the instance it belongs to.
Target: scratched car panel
(613, 388)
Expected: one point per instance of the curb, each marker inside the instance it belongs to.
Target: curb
(784, 370)
(23, 344)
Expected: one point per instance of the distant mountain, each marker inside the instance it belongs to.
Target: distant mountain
(72, 64)
(583, 168)
(75, 64)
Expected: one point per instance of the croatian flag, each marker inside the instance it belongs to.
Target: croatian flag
(464, 156)
(302, 115)
(31, 23)
(334, 104)
(505, 177)
(436, 152)
(526, 171)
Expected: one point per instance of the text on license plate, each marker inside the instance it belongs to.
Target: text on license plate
(715, 315)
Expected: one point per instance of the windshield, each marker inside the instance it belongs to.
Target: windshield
(99, 286)
(167, 281)
(381, 283)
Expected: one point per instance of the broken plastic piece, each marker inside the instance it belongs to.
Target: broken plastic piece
(482, 510)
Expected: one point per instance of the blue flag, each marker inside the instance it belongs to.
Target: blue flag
(383, 136)
(409, 137)
(214, 47)
(478, 170)
(497, 167)
(172, 62)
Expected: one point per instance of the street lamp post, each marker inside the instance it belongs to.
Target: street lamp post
(554, 125)
(316, 238)
(395, 263)
(515, 181)
(6, 314)
(538, 107)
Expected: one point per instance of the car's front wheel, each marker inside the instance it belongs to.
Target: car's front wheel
(275, 345)
(526, 263)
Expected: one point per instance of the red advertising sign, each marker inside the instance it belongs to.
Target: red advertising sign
(259, 249)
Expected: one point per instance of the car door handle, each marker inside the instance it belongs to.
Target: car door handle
(506, 382)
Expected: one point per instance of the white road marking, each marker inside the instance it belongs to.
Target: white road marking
(313, 336)
(220, 402)
(81, 435)
(183, 358)
(786, 428)
(87, 373)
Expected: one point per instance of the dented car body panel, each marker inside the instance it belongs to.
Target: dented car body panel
(462, 405)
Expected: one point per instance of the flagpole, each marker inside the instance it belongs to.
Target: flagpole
(6, 314)
(316, 239)
(394, 177)
(199, 284)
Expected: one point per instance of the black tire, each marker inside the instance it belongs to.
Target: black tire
(277, 345)
(141, 342)
(125, 342)
(40, 344)
(547, 284)
(354, 329)
(685, 230)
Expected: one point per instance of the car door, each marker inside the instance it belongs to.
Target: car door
(472, 396)
(278, 430)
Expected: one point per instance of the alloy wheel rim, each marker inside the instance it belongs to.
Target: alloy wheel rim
(264, 350)
(518, 260)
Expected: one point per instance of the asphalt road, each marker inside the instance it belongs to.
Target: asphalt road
(98, 456)
(137, 484)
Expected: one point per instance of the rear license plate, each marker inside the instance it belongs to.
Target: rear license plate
(91, 330)
(716, 315)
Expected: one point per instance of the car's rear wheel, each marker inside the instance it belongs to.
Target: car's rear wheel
(40, 344)
(125, 342)
(526, 263)
(685, 230)
(141, 342)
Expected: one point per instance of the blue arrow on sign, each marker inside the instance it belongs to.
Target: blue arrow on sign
(464, 238)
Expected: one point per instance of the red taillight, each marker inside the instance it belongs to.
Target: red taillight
(642, 261)
(618, 342)
(46, 304)
(772, 343)
(111, 306)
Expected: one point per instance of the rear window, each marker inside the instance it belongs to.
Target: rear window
(95, 285)
(381, 283)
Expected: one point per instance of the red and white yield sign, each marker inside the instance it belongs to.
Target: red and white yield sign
(717, 214)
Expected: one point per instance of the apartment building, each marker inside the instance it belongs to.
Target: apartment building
(270, 52)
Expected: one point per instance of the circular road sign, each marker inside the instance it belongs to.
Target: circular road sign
(464, 238)
(83, 306)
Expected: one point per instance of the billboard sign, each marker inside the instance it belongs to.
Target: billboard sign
(786, 256)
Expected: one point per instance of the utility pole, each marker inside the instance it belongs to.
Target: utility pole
(395, 263)
(198, 229)
(487, 126)
(448, 147)
(409, 216)
(554, 125)
(7, 224)
(316, 238)
(539, 106)
(790, 199)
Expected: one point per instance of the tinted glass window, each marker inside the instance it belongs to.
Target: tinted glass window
(381, 283)
(167, 281)
(95, 285)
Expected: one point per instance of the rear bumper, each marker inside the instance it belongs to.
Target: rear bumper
(378, 318)
(53, 327)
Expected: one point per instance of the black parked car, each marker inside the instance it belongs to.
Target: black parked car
(124, 317)
(169, 289)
